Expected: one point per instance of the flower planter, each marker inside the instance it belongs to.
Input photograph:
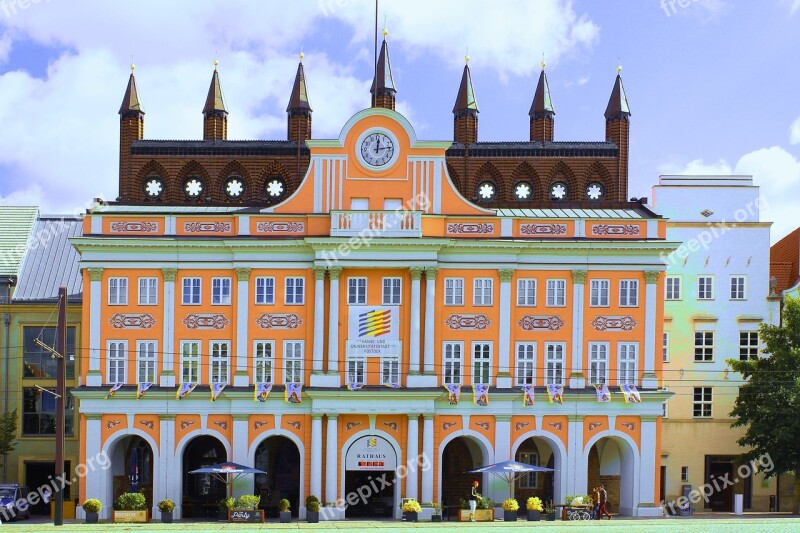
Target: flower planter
(286, 517)
(412, 517)
(436, 518)
(481, 515)
(91, 518)
(166, 517)
(534, 516)
(131, 517)
(246, 516)
(551, 517)
(312, 517)
(509, 516)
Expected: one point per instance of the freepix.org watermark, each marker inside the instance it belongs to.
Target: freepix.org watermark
(11, 7)
(670, 7)
(56, 484)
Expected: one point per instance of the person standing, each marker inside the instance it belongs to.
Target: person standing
(603, 503)
(473, 500)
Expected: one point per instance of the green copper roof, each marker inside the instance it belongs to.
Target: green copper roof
(466, 94)
(618, 103)
(541, 99)
(299, 98)
(15, 230)
(130, 102)
(215, 101)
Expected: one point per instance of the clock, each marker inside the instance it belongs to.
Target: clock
(377, 149)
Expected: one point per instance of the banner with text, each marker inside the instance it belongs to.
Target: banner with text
(373, 331)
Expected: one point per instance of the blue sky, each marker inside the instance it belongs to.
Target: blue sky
(712, 84)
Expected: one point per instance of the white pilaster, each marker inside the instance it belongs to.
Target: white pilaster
(416, 318)
(578, 481)
(170, 490)
(504, 340)
(577, 379)
(167, 378)
(412, 453)
(241, 378)
(243, 485)
(647, 467)
(316, 455)
(94, 377)
(649, 378)
(331, 459)
(429, 459)
(95, 482)
(430, 319)
(319, 318)
(333, 323)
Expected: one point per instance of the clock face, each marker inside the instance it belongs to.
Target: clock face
(377, 149)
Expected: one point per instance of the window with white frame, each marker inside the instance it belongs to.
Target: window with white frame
(627, 362)
(293, 361)
(684, 474)
(664, 407)
(748, 345)
(556, 292)
(599, 292)
(672, 288)
(738, 287)
(117, 362)
(191, 291)
(357, 291)
(526, 363)
(701, 402)
(481, 362)
(265, 291)
(392, 289)
(452, 353)
(117, 291)
(482, 294)
(526, 292)
(294, 291)
(454, 291)
(529, 480)
(554, 363)
(629, 292)
(148, 291)
(356, 370)
(703, 346)
(390, 370)
(705, 288)
(190, 362)
(598, 363)
(263, 361)
(219, 360)
(221, 291)
(145, 361)
(665, 347)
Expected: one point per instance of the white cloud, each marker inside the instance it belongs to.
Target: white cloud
(698, 167)
(794, 5)
(794, 131)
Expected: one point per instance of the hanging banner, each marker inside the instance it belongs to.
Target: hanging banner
(392, 385)
(373, 331)
(112, 390)
(555, 392)
(142, 388)
(293, 392)
(527, 395)
(480, 395)
(185, 390)
(354, 385)
(261, 391)
(453, 392)
(216, 390)
(370, 453)
(630, 393)
(603, 394)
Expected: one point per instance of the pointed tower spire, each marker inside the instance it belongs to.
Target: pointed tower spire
(299, 108)
(465, 110)
(131, 128)
(215, 124)
(618, 127)
(383, 89)
(542, 112)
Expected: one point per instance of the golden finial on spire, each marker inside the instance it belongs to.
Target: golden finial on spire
(133, 67)
(543, 63)
(466, 55)
(619, 66)
(301, 55)
(385, 32)
(216, 64)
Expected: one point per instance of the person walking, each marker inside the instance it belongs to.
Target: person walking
(595, 503)
(603, 503)
(473, 500)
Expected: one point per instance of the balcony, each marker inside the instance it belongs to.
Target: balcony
(376, 224)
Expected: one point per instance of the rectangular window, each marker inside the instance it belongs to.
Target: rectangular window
(554, 365)
(294, 290)
(190, 362)
(146, 361)
(391, 291)
(665, 347)
(39, 412)
(263, 361)
(453, 357)
(355, 370)
(390, 370)
(220, 353)
(265, 291)
(117, 291)
(481, 362)
(598, 363)
(701, 405)
(703, 346)
(529, 480)
(738, 288)
(117, 361)
(627, 362)
(556, 292)
(293, 361)
(672, 288)
(526, 363)
(705, 288)
(526, 292)
(599, 293)
(38, 362)
(148, 291)
(629, 293)
(454, 291)
(664, 407)
(191, 291)
(482, 294)
(748, 345)
(357, 291)
(685, 474)
(221, 291)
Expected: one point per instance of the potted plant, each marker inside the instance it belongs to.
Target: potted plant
(283, 507)
(92, 507)
(510, 508)
(437, 512)
(244, 509)
(312, 509)
(412, 508)
(550, 512)
(166, 507)
(130, 507)
(535, 508)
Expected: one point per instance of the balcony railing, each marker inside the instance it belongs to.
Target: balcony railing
(376, 224)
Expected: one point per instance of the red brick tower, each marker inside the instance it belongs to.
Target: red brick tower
(542, 112)
(131, 128)
(215, 124)
(383, 90)
(299, 109)
(465, 111)
(618, 131)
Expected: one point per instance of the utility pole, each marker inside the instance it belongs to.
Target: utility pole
(61, 370)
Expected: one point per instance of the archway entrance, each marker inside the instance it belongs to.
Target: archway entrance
(536, 451)
(131, 468)
(458, 456)
(202, 492)
(611, 464)
(279, 457)
(370, 466)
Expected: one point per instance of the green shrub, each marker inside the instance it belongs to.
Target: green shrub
(310, 499)
(92, 505)
(166, 506)
(283, 505)
(130, 501)
(313, 506)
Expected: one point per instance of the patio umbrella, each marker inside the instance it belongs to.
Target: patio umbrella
(133, 471)
(509, 471)
(227, 472)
